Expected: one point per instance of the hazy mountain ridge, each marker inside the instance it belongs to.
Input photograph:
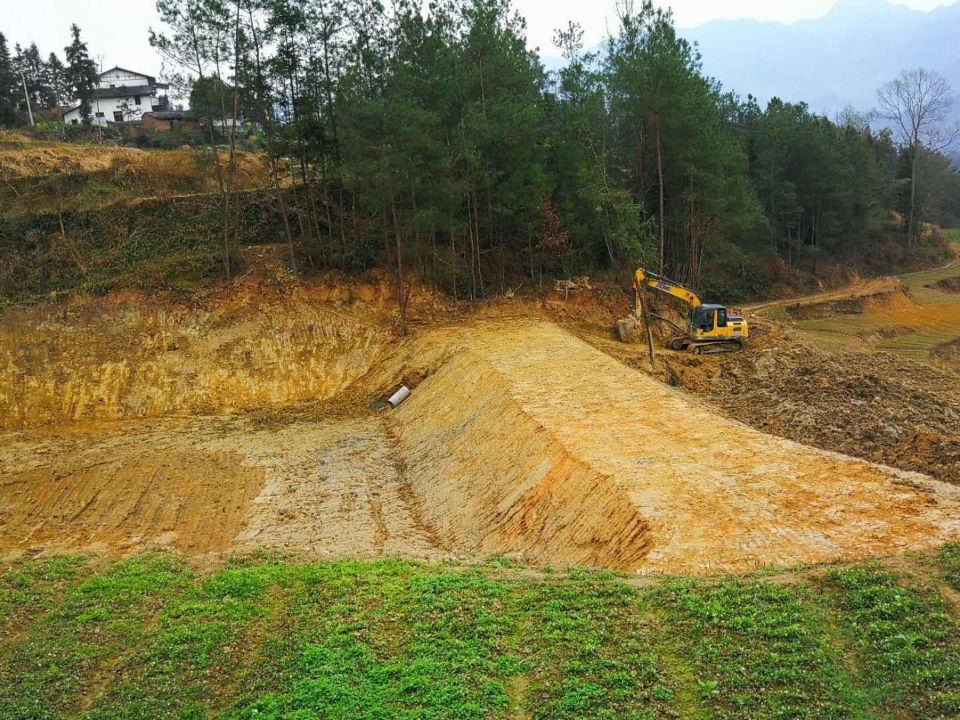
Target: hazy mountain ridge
(834, 61)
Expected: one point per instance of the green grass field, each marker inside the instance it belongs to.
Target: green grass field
(149, 638)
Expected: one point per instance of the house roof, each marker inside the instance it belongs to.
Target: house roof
(150, 78)
(124, 91)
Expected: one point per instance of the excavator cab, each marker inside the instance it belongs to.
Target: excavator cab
(707, 318)
(713, 324)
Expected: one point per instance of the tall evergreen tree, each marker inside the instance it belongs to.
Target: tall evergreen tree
(81, 75)
(33, 71)
(431, 140)
(9, 86)
(56, 89)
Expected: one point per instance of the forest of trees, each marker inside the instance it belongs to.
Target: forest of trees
(433, 141)
(31, 84)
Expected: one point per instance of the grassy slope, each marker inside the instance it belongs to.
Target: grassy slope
(147, 637)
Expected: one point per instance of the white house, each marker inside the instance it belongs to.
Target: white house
(122, 96)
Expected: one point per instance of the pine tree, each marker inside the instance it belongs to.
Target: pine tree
(33, 70)
(81, 73)
(56, 90)
(9, 87)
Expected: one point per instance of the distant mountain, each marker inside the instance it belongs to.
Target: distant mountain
(834, 61)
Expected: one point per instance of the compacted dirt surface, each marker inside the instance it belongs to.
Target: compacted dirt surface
(210, 484)
(253, 420)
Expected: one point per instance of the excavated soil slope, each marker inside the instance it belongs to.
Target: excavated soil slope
(136, 357)
(519, 438)
(537, 441)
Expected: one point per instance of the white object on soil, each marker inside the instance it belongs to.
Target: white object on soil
(399, 396)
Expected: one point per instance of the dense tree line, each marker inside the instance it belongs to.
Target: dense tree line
(433, 141)
(31, 84)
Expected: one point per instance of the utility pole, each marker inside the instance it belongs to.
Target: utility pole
(96, 91)
(26, 95)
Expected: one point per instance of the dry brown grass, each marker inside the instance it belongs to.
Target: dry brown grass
(146, 171)
(36, 159)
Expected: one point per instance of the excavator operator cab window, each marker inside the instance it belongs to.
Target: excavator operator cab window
(722, 317)
(703, 320)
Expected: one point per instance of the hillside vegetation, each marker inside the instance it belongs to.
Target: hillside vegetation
(435, 143)
(46, 177)
(92, 218)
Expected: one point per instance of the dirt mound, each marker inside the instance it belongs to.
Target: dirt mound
(948, 353)
(894, 331)
(854, 304)
(536, 441)
(868, 405)
(493, 479)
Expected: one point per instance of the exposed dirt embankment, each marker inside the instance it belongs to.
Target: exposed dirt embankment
(518, 438)
(133, 357)
(857, 304)
(534, 441)
(492, 479)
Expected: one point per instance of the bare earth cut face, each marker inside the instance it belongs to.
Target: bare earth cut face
(518, 438)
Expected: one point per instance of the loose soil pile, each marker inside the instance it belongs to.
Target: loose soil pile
(948, 353)
(951, 284)
(875, 406)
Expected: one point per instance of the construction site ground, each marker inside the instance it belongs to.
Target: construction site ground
(250, 418)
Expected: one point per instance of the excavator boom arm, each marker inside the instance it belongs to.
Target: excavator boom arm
(642, 279)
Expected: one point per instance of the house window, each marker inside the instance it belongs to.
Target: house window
(136, 99)
(117, 116)
(74, 122)
(99, 114)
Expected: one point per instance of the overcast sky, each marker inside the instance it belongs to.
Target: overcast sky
(117, 29)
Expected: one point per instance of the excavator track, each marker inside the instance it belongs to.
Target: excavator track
(715, 348)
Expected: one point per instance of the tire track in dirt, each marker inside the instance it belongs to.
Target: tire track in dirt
(408, 495)
(177, 499)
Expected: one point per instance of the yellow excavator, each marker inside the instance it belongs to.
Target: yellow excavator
(712, 328)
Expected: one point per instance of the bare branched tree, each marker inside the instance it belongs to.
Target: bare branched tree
(917, 104)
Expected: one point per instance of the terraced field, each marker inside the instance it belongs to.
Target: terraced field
(912, 316)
